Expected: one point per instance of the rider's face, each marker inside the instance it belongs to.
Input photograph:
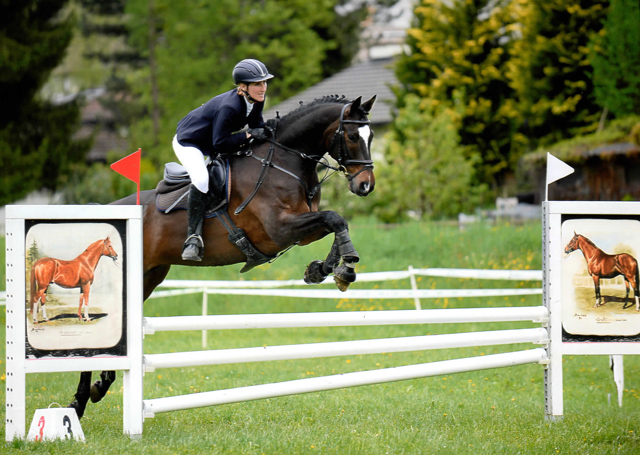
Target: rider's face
(257, 90)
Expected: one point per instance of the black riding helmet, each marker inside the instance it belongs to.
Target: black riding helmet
(250, 70)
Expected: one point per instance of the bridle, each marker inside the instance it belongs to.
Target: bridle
(342, 159)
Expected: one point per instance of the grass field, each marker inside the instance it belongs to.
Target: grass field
(497, 411)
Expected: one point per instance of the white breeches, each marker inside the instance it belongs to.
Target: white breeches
(193, 161)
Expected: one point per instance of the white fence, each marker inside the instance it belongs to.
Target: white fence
(536, 314)
(271, 288)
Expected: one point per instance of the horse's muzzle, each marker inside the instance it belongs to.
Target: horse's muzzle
(362, 187)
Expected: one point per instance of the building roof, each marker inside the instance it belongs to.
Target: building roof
(367, 78)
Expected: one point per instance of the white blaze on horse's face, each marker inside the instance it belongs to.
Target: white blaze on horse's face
(365, 133)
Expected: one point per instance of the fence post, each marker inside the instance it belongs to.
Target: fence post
(414, 287)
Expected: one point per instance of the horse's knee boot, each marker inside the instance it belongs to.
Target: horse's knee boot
(346, 248)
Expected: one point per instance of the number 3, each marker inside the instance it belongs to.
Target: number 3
(66, 422)
(41, 425)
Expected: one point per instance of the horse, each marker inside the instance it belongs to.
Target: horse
(273, 204)
(77, 273)
(603, 265)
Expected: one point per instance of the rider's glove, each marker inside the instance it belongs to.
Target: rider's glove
(259, 134)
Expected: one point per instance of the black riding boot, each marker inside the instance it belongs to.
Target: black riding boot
(194, 245)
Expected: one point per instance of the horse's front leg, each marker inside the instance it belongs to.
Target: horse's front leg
(311, 226)
(84, 301)
(596, 284)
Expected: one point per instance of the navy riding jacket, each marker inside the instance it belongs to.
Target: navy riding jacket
(214, 127)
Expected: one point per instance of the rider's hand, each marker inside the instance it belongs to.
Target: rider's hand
(260, 134)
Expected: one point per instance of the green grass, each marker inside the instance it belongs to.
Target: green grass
(497, 411)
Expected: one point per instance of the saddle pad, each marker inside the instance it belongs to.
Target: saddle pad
(173, 190)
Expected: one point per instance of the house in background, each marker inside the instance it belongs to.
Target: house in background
(609, 172)
(371, 73)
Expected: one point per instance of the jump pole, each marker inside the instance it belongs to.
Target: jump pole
(316, 350)
(538, 314)
(340, 381)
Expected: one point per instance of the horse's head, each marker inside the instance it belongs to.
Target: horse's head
(573, 244)
(349, 143)
(108, 250)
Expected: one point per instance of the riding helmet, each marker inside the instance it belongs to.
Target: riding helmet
(250, 70)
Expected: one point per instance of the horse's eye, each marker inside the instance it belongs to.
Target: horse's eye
(353, 137)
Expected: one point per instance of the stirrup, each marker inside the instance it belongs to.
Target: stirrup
(193, 248)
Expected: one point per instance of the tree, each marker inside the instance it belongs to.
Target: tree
(198, 43)
(616, 59)
(427, 173)
(36, 145)
(550, 69)
(459, 54)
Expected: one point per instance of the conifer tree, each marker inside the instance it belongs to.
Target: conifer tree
(459, 53)
(550, 68)
(36, 145)
(616, 59)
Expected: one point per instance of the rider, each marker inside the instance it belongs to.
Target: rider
(215, 128)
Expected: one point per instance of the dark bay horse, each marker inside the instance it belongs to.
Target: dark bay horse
(280, 179)
(77, 273)
(603, 265)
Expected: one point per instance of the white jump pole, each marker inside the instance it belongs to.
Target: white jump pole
(203, 399)
(316, 350)
(537, 314)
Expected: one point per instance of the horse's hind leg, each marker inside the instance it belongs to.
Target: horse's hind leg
(99, 388)
(626, 297)
(82, 394)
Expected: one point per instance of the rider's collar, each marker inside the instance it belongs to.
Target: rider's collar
(249, 105)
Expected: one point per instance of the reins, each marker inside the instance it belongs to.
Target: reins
(343, 161)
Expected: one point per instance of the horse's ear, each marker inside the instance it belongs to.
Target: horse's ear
(368, 105)
(355, 105)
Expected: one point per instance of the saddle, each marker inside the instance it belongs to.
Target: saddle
(172, 193)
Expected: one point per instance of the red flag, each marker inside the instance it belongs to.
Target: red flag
(129, 166)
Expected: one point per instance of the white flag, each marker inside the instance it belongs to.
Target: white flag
(557, 169)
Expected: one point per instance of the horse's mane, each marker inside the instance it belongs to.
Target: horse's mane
(303, 108)
(588, 241)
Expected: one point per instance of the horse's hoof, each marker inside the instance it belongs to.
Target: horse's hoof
(341, 284)
(314, 273)
(78, 408)
(96, 393)
(344, 275)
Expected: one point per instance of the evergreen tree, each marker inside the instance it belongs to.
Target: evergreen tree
(550, 68)
(616, 59)
(36, 146)
(459, 55)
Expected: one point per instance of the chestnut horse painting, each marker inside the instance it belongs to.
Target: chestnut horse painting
(603, 265)
(77, 273)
